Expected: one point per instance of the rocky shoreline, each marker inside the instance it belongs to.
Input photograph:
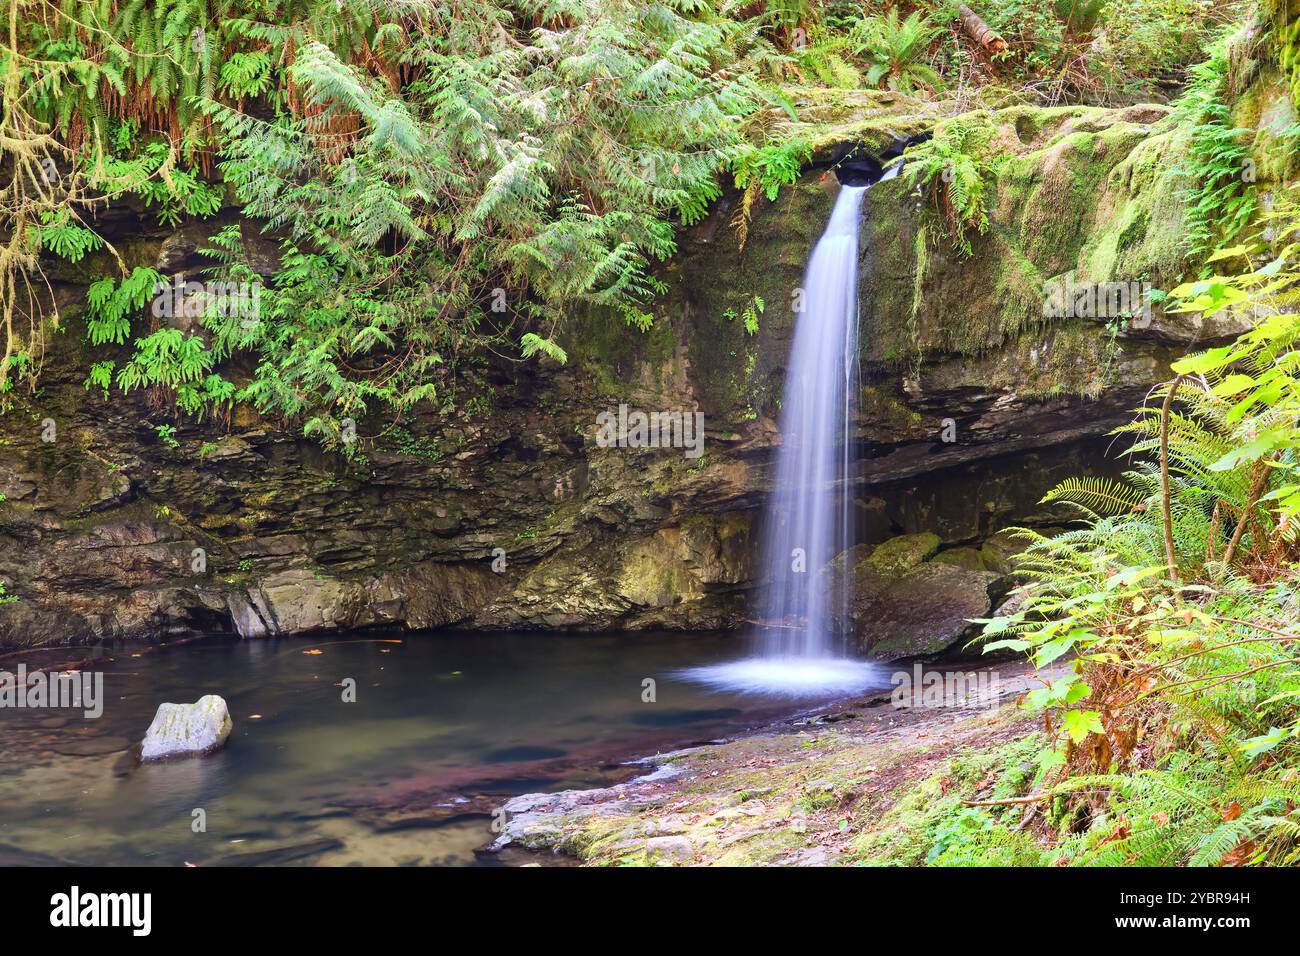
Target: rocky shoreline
(814, 789)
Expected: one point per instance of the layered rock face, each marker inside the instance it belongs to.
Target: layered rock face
(508, 513)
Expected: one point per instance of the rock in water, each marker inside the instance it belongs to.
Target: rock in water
(179, 730)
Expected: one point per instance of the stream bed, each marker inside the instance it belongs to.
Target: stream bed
(444, 728)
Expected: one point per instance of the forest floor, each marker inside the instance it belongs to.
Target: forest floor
(860, 782)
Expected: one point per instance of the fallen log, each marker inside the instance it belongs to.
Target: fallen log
(979, 31)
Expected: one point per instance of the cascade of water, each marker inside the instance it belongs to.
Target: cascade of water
(808, 520)
(808, 513)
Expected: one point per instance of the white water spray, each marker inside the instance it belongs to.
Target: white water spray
(808, 520)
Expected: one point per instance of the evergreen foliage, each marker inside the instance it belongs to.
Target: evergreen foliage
(1219, 164)
(467, 175)
(951, 167)
(1177, 598)
(895, 47)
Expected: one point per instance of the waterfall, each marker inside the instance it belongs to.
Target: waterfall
(809, 518)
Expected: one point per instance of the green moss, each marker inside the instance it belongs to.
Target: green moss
(660, 345)
(881, 407)
(1266, 106)
(1286, 30)
(874, 118)
(1082, 190)
(737, 375)
(1071, 360)
(761, 849)
(930, 825)
(968, 558)
(943, 301)
(603, 346)
(1141, 218)
(895, 557)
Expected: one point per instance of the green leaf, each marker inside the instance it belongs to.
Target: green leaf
(1077, 692)
(1079, 723)
(1263, 445)
(1262, 744)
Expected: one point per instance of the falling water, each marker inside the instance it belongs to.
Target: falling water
(808, 520)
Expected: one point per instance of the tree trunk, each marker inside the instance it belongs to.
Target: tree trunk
(979, 31)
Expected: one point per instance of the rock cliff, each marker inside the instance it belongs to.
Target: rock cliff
(506, 512)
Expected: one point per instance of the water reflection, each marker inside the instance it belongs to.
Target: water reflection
(444, 727)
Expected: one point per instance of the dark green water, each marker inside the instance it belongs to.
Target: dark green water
(444, 728)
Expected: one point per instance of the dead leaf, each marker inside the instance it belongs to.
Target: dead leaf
(1239, 855)
(1120, 832)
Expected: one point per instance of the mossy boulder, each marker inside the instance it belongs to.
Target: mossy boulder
(892, 559)
(999, 551)
(972, 559)
(909, 601)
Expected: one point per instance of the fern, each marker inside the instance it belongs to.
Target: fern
(952, 166)
(531, 344)
(1097, 495)
(110, 304)
(65, 238)
(894, 47)
(101, 376)
(1221, 195)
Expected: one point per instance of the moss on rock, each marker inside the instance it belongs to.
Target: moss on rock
(892, 559)
(1080, 192)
